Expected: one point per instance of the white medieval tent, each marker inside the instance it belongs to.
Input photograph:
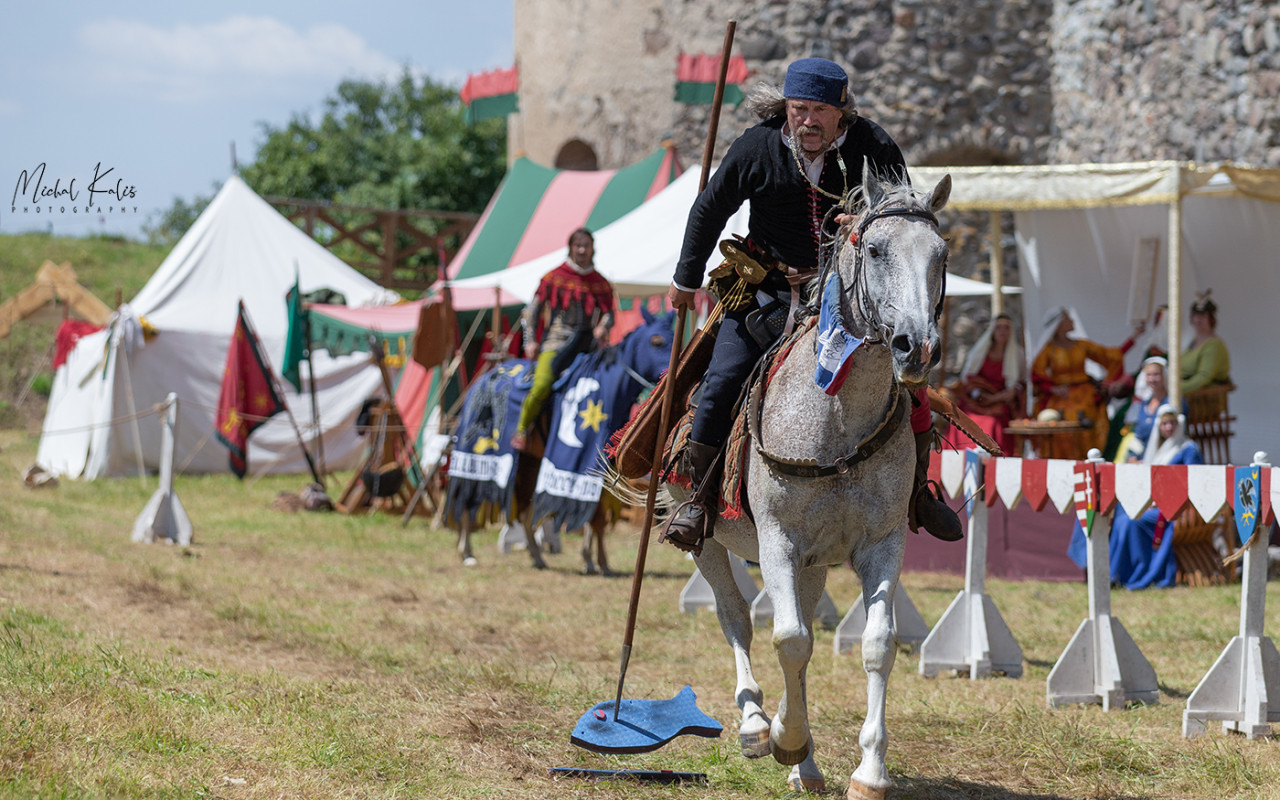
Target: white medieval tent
(239, 248)
(1097, 237)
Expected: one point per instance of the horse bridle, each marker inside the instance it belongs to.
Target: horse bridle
(877, 330)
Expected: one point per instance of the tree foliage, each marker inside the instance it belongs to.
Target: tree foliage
(399, 145)
(384, 145)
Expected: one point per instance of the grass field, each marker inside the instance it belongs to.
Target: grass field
(319, 655)
(111, 269)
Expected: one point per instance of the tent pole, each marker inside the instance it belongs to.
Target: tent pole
(275, 382)
(997, 266)
(495, 321)
(315, 403)
(1175, 292)
(409, 449)
(123, 354)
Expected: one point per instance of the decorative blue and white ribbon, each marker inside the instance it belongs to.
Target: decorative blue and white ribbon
(835, 344)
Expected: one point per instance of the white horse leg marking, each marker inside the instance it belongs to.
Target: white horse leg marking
(878, 568)
(734, 613)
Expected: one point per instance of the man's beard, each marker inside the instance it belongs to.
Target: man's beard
(804, 130)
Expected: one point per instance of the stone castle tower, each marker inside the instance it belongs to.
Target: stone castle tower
(982, 82)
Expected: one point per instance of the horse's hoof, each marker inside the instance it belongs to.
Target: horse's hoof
(799, 783)
(860, 791)
(590, 569)
(755, 745)
(789, 758)
(539, 565)
(469, 561)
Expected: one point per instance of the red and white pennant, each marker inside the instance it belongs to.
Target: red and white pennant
(1135, 487)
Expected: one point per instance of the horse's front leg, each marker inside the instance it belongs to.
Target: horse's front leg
(878, 567)
(795, 595)
(593, 556)
(526, 479)
(588, 562)
(524, 516)
(466, 524)
(597, 528)
(805, 776)
(734, 613)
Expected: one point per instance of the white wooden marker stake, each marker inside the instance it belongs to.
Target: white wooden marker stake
(1101, 663)
(1242, 688)
(164, 517)
(972, 636)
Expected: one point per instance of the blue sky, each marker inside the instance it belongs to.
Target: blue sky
(152, 94)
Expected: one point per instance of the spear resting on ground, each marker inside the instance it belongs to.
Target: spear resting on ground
(795, 167)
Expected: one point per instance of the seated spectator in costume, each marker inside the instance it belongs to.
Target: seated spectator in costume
(1063, 385)
(995, 380)
(579, 303)
(1206, 362)
(1142, 548)
(1150, 393)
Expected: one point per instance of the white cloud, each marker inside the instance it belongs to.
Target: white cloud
(251, 54)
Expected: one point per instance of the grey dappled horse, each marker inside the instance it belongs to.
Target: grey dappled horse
(893, 283)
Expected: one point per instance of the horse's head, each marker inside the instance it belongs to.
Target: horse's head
(647, 349)
(895, 274)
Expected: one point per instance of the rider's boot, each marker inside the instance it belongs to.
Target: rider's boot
(690, 526)
(927, 509)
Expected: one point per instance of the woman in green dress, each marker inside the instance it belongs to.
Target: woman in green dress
(1206, 362)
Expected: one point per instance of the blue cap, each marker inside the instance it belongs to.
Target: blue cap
(816, 79)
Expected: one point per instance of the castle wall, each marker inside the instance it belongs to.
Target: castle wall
(988, 81)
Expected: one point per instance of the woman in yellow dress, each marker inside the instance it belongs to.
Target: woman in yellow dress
(1063, 385)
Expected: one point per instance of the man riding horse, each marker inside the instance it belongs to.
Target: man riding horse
(795, 167)
(579, 303)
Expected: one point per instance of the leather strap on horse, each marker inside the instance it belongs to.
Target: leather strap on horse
(810, 468)
(943, 405)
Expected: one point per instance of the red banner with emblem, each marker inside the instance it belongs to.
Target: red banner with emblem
(248, 396)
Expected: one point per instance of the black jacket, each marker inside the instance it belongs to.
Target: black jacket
(759, 167)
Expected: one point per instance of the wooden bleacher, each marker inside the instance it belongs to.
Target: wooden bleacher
(1210, 426)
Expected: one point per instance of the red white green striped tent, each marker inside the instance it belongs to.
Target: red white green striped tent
(537, 207)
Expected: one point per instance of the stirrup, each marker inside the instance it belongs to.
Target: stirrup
(928, 486)
(942, 529)
(679, 541)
